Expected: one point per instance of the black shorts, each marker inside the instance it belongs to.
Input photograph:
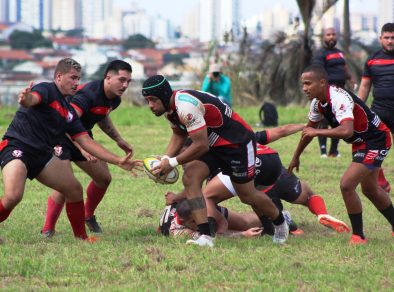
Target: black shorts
(370, 158)
(35, 160)
(238, 162)
(67, 151)
(386, 116)
(287, 187)
(268, 169)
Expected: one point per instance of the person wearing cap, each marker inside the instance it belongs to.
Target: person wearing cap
(220, 139)
(218, 84)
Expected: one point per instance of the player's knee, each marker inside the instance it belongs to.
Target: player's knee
(346, 187)
(73, 190)
(189, 179)
(104, 181)
(12, 199)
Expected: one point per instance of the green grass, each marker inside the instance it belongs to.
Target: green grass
(131, 256)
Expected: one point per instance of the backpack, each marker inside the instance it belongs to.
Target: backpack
(268, 114)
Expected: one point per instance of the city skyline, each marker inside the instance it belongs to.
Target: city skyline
(248, 8)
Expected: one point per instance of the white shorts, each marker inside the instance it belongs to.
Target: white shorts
(225, 179)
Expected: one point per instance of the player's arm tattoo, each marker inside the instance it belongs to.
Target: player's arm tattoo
(108, 127)
(196, 203)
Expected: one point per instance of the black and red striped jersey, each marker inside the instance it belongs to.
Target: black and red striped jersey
(379, 68)
(194, 110)
(92, 102)
(341, 105)
(44, 125)
(334, 62)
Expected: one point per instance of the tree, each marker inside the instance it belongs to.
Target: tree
(26, 41)
(138, 41)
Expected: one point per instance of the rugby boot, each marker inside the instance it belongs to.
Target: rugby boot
(93, 225)
(203, 240)
(331, 222)
(281, 233)
(357, 240)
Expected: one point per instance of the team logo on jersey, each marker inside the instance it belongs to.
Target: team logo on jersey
(189, 117)
(70, 117)
(258, 162)
(17, 153)
(58, 150)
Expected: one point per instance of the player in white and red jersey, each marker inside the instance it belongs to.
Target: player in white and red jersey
(355, 123)
(221, 139)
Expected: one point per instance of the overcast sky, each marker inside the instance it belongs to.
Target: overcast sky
(176, 10)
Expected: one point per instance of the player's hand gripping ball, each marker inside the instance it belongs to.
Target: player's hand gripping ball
(171, 177)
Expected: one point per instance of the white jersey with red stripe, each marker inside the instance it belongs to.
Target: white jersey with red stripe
(194, 110)
(342, 105)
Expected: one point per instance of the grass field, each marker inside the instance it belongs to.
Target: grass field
(131, 256)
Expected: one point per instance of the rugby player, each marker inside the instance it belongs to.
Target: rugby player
(93, 103)
(26, 150)
(221, 139)
(356, 124)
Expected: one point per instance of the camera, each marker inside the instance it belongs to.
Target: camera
(216, 74)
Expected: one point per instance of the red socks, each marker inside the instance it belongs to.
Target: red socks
(53, 212)
(94, 195)
(316, 205)
(382, 181)
(75, 213)
(4, 213)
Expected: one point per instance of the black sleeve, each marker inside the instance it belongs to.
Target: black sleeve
(262, 137)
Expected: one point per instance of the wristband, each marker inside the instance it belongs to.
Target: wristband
(165, 157)
(173, 162)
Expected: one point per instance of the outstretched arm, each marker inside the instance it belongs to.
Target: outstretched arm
(280, 132)
(108, 128)
(91, 146)
(27, 98)
(304, 141)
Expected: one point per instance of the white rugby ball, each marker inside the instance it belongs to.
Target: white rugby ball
(151, 162)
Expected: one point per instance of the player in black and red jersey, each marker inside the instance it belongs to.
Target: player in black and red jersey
(93, 103)
(333, 61)
(273, 179)
(356, 124)
(39, 124)
(379, 73)
(221, 139)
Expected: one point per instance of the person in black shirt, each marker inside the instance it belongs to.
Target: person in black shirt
(333, 61)
(379, 72)
(39, 124)
(93, 103)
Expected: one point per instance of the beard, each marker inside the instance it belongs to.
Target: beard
(330, 44)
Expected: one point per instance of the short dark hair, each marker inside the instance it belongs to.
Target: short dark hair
(66, 65)
(388, 27)
(116, 66)
(183, 209)
(318, 70)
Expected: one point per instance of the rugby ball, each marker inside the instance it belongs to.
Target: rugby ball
(150, 163)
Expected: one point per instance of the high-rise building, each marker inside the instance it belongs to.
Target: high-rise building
(218, 17)
(190, 25)
(66, 14)
(35, 13)
(386, 12)
(95, 17)
(136, 22)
